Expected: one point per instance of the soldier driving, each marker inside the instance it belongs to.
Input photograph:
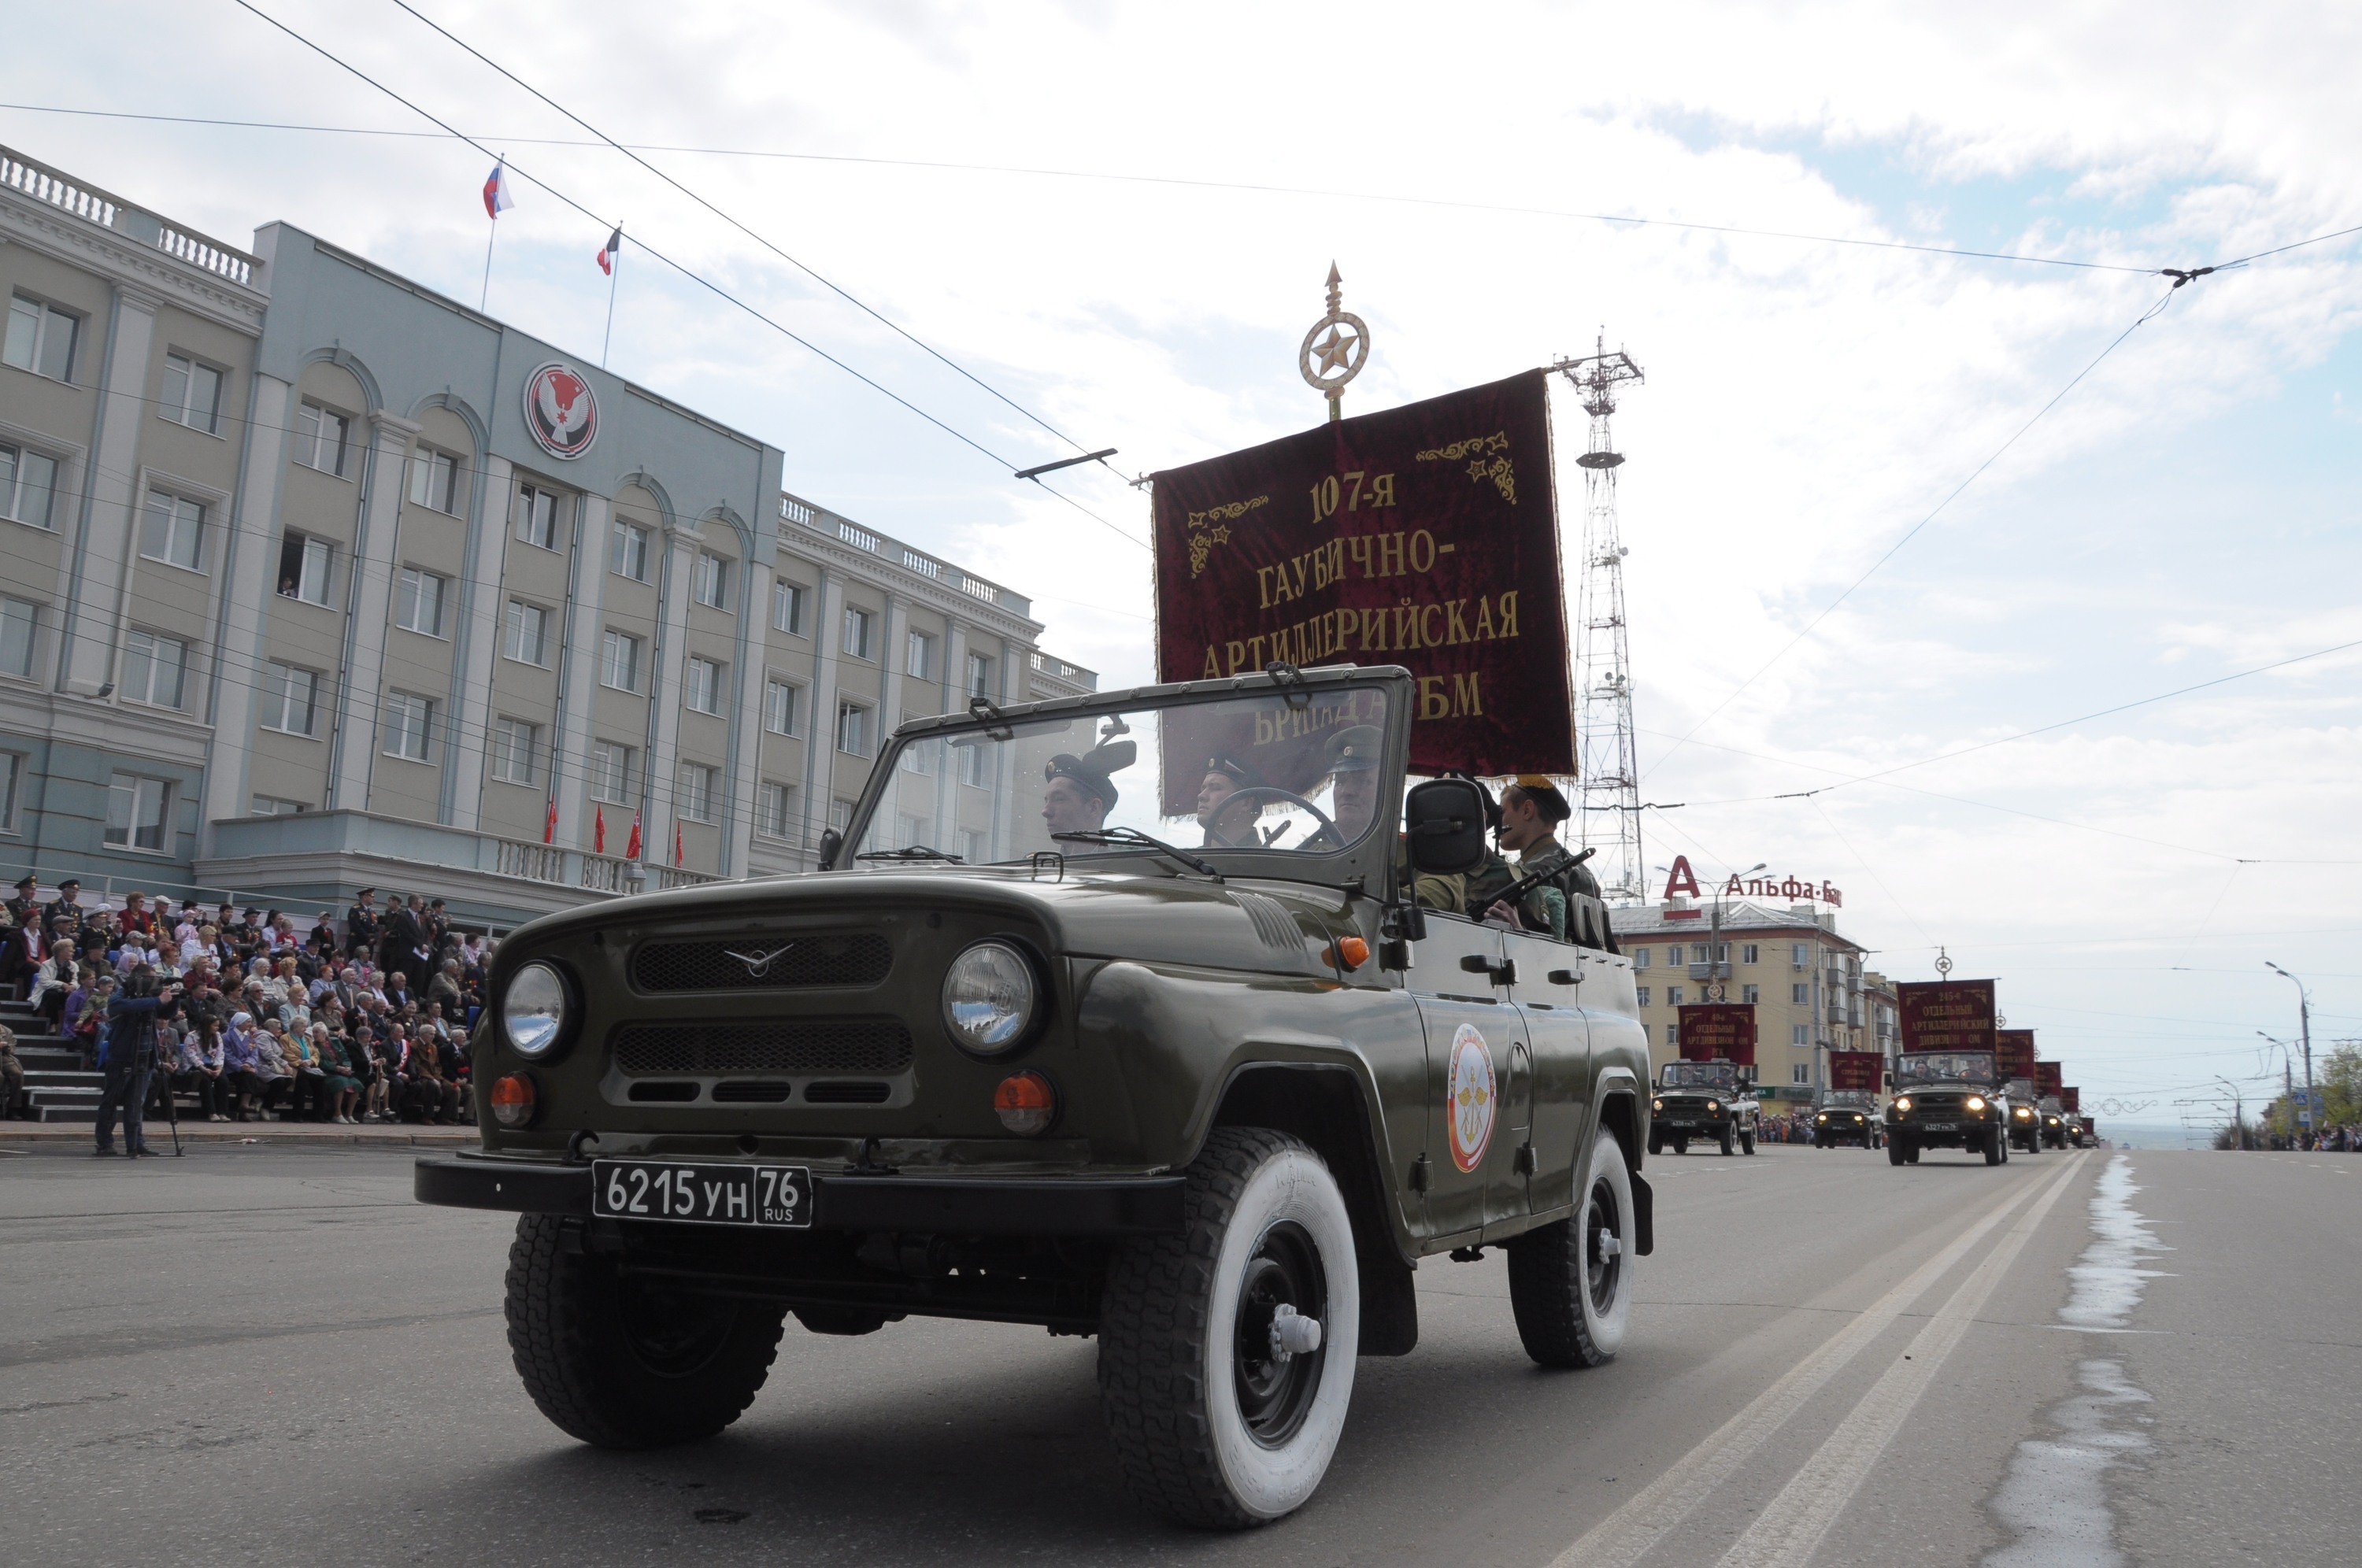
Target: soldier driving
(1353, 768)
(1225, 776)
(1081, 790)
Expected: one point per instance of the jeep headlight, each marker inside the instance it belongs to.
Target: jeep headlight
(534, 1011)
(1976, 1102)
(989, 998)
(2024, 1114)
(1903, 1103)
(1824, 1116)
(1656, 1105)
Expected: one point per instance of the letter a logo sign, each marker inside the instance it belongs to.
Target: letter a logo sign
(1682, 879)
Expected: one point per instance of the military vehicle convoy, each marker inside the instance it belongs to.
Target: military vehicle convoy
(2024, 1117)
(1947, 1099)
(1016, 1055)
(1707, 1101)
(1847, 1116)
(2057, 1128)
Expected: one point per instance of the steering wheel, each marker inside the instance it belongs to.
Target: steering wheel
(1327, 827)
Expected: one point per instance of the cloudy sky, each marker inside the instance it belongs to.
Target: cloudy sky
(1121, 217)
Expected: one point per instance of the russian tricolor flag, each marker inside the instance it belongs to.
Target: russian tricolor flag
(497, 199)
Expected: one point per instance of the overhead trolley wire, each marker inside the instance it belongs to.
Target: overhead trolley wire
(681, 267)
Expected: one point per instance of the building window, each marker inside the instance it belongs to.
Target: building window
(12, 774)
(1747, 953)
(1673, 1036)
(1801, 994)
(18, 622)
(695, 800)
(272, 806)
(709, 582)
(840, 814)
(1796, 1035)
(913, 830)
(921, 756)
(1800, 955)
(1672, 996)
(859, 624)
(787, 606)
(173, 531)
(1639, 957)
(973, 770)
(852, 728)
(418, 606)
(290, 699)
(627, 551)
(320, 438)
(1641, 995)
(41, 339)
(980, 675)
(774, 815)
(536, 516)
(1673, 956)
(515, 744)
(192, 394)
(435, 481)
(619, 660)
(918, 656)
(972, 845)
(1750, 993)
(409, 725)
(526, 639)
(155, 667)
(611, 772)
(304, 566)
(136, 809)
(1800, 1073)
(779, 704)
(701, 686)
(29, 482)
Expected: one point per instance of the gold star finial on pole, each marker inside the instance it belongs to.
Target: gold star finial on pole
(1327, 362)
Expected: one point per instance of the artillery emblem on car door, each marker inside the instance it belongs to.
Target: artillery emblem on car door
(1472, 1094)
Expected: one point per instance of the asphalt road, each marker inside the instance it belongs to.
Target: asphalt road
(260, 1355)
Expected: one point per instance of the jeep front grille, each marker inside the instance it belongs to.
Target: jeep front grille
(813, 1045)
(759, 962)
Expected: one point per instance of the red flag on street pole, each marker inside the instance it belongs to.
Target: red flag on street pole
(632, 849)
(599, 830)
(677, 854)
(549, 823)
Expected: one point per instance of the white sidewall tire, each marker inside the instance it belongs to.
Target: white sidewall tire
(1271, 1482)
(1605, 1330)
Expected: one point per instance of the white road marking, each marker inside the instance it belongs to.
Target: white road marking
(1787, 1533)
(1646, 1517)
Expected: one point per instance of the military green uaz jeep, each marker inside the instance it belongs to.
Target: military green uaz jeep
(1703, 1100)
(1947, 1099)
(1847, 1116)
(1025, 1056)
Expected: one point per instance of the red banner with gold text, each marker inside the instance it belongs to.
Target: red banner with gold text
(1857, 1070)
(1717, 1031)
(1945, 1015)
(1425, 537)
(2014, 1054)
(2048, 1078)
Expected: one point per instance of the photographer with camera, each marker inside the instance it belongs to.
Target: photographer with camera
(131, 1023)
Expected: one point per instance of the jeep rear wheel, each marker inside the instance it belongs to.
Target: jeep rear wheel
(1226, 1352)
(620, 1363)
(1571, 1283)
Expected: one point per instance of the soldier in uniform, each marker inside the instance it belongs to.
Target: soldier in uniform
(1225, 776)
(61, 916)
(22, 907)
(1541, 909)
(1081, 790)
(361, 925)
(1531, 810)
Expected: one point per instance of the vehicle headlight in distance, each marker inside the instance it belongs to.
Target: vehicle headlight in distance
(2022, 1113)
(1976, 1102)
(1903, 1103)
(532, 1010)
(989, 998)
(1656, 1105)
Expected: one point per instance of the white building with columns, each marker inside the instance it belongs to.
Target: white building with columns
(415, 600)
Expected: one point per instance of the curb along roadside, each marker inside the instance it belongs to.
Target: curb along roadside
(70, 1137)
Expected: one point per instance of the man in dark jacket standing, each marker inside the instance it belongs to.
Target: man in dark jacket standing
(361, 923)
(131, 1057)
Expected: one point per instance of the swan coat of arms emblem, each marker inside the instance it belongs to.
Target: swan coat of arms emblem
(560, 411)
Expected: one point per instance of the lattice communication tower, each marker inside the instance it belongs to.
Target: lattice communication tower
(1609, 813)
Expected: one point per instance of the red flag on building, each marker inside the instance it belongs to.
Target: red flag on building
(598, 831)
(549, 823)
(679, 856)
(632, 849)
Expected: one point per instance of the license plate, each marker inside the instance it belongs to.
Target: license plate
(1941, 1126)
(774, 1196)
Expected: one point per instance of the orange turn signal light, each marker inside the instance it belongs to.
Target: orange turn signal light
(1347, 952)
(1026, 1103)
(513, 1100)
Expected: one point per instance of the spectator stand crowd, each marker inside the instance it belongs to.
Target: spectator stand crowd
(243, 1014)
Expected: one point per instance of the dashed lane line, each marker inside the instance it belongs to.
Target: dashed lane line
(1649, 1515)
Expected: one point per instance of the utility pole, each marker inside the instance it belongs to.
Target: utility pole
(1606, 754)
(2304, 1034)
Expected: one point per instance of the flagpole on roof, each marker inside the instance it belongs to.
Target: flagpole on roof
(614, 276)
(496, 197)
(483, 299)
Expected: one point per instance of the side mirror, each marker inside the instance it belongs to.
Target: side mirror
(831, 841)
(1445, 821)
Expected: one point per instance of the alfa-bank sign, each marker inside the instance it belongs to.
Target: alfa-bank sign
(1682, 879)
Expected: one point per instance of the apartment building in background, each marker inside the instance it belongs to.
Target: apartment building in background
(316, 578)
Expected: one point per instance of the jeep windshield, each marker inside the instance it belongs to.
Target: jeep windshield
(1945, 1067)
(1701, 1075)
(1244, 774)
(1846, 1100)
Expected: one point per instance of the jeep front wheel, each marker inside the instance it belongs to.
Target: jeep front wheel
(622, 1362)
(1571, 1283)
(1226, 1351)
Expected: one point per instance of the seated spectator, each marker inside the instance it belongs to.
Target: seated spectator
(431, 1096)
(271, 1084)
(303, 1063)
(12, 1075)
(200, 1068)
(445, 986)
(323, 935)
(343, 1091)
(136, 916)
(54, 981)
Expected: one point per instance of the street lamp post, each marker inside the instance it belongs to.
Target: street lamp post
(2304, 1032)
(2238, 1114)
